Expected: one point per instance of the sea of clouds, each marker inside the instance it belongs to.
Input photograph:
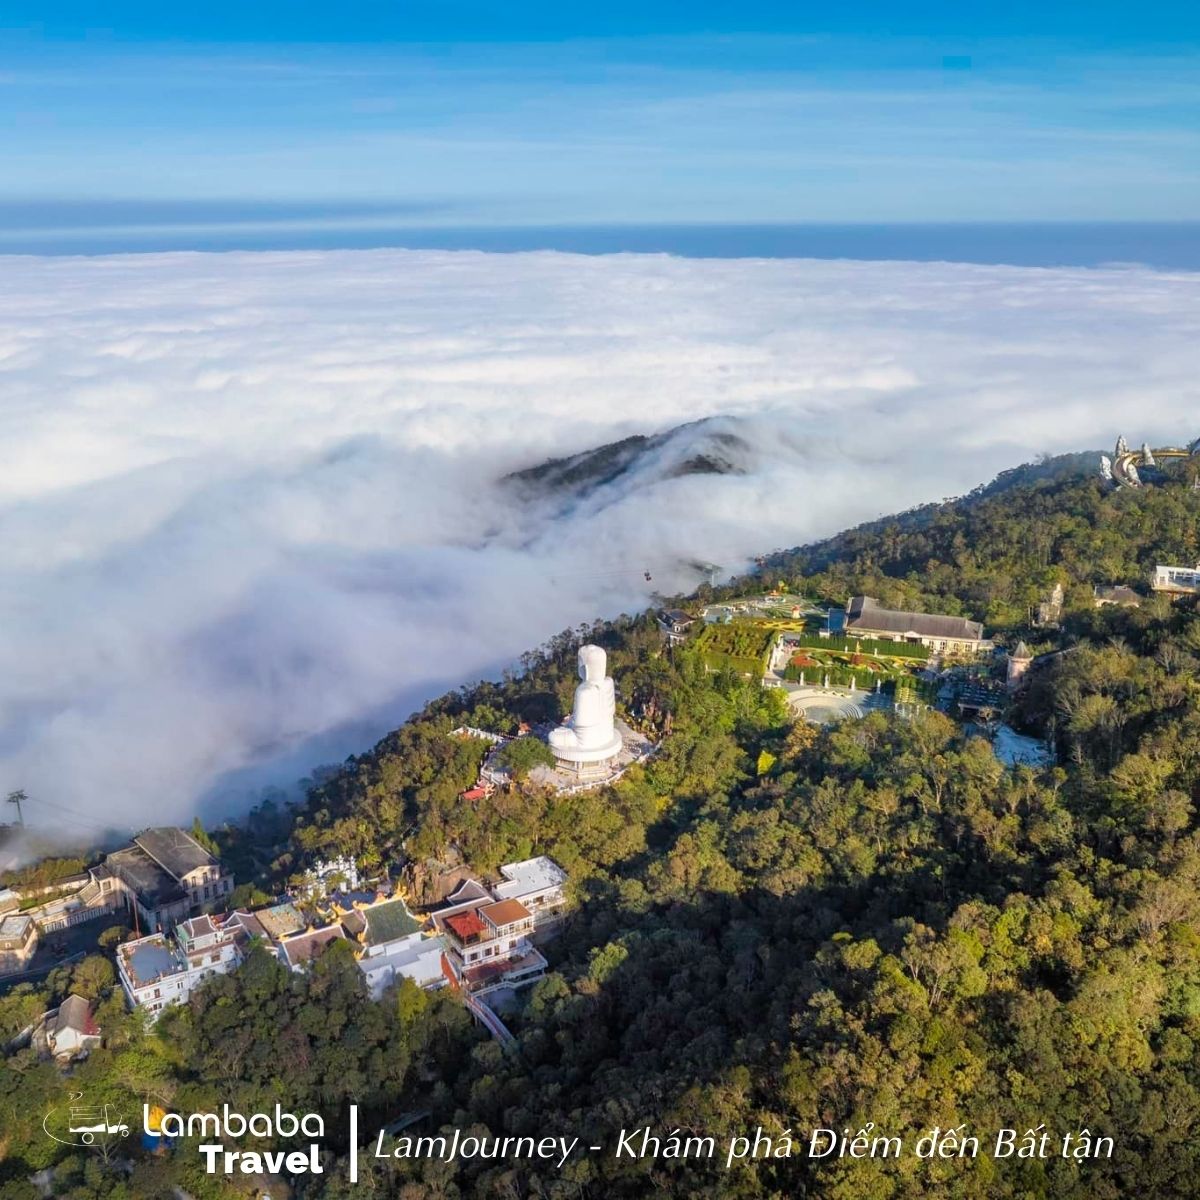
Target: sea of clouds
(250, 514)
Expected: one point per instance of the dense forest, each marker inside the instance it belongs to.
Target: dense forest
(876, 922)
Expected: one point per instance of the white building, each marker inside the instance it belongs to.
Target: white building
(71, 1030)
(866, 618)
(537, 883)
(674, 624)
(417, 956)
(488, 945)
(391, 946)
(153, 974)
(101, 893)
(1182, 581)
(168, 876)
(156, 971)
(18, 942)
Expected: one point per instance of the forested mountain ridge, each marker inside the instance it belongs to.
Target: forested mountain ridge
(996, 553)
(877, 922)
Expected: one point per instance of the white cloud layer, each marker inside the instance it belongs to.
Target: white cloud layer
(249, 511)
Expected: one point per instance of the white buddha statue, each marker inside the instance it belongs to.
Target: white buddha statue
(590, 735)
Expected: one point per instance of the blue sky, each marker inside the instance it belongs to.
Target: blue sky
(265, 115)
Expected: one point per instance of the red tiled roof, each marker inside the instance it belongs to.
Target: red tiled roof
(466, 925)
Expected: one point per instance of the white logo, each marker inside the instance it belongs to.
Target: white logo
(80, 1124)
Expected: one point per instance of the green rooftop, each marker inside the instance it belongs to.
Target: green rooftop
(388, 921)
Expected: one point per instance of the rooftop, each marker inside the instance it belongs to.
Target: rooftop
(505, 912)
(466, 925)
(306, 947)
(75, 1013)
(249, 924)
(527, 877)
(676, 616)
(152, 884)
(467, 890)
(414, 953)
(280, 920)
(198, 927)
(1119, 593)
(978, 694)
(148, 959)
(388, 921)
(14, 927)
(865, 612)
(175, 850)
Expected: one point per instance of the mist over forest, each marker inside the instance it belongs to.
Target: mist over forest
(258, 507)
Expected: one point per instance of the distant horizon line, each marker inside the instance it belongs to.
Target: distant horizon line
(1052, 242)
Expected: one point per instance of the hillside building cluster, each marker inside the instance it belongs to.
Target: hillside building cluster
(162, 877)
(480, 939)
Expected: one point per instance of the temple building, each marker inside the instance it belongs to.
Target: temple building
(588, 744)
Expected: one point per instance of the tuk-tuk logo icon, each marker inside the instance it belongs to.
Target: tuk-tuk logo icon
(84, 1123)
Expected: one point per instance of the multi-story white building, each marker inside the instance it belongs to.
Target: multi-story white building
(488, 945)
(1182, 581)
(488, 933)
(156, 970)
(390, 945)
(538, 884)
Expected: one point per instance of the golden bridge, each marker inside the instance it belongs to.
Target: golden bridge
(1123, 467)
